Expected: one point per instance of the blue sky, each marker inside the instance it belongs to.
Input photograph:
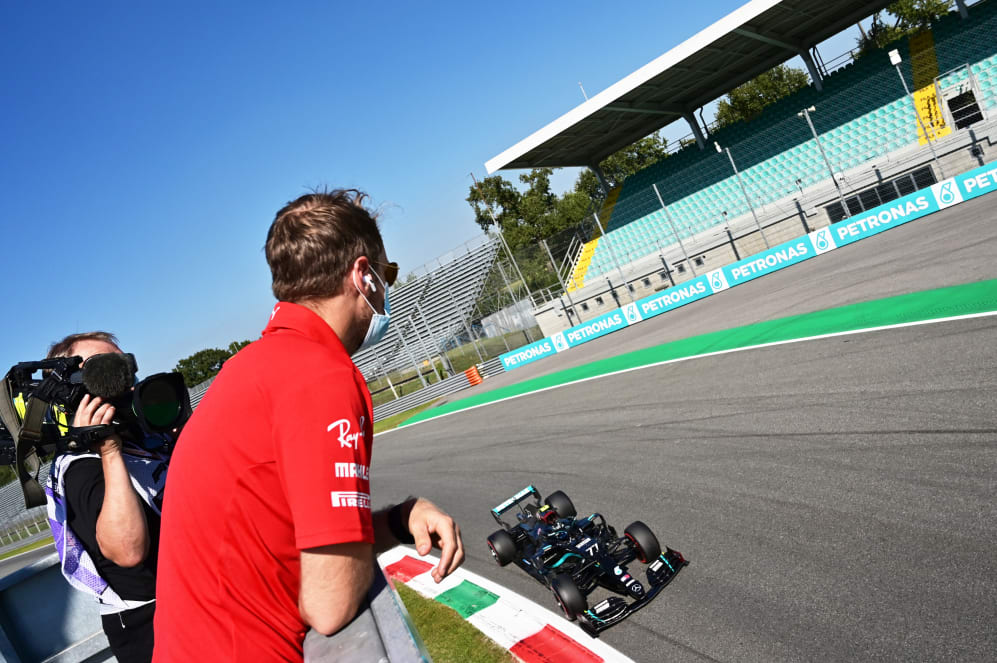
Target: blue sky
(146, 147)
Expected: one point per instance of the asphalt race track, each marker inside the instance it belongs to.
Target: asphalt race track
(955, 246)
(835, 497)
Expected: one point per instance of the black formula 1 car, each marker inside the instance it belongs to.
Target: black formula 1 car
(572, 556)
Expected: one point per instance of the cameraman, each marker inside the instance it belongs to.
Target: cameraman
(104, 511)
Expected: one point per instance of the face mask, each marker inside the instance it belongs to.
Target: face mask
(379, 321)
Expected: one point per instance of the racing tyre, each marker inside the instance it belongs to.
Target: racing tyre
(503, 547)
(561, 504)
(644, 541)
(568, 596)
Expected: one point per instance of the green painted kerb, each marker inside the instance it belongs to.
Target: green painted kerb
(467, 598)
(979, 297)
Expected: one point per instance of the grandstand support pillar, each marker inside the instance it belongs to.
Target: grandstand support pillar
(384, 372)
(508, 288)
(514, 266)
(668, 216)
(612, 252)
(411, 357)
(697, 131)
(601, 176)
(812, 68)
(422, 342)
(744, 192)
(463, 320)
(963, 12)
(564, 288)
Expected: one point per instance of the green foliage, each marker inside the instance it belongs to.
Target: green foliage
(235, 346)
(202, 365)
(747, 101)
(909, 16)
(621, 165)
(7, 474)
(536, 212)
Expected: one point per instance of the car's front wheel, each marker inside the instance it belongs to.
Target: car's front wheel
(645, 543)
(502, 547)
(568, 596)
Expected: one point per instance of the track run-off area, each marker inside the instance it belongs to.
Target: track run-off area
(835, 496)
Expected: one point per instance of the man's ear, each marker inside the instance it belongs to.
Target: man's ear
(360, 273)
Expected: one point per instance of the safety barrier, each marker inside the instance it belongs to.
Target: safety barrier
(473, 376)
(942, 195)
(42, 618)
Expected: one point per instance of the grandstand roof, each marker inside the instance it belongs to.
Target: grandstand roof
(750, 40)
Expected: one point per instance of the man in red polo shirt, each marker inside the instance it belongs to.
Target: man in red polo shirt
(267, 524)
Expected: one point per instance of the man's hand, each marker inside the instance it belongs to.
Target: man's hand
(431, 527)
(94, 412)
(122, 533)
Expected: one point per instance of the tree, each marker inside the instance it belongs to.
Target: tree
(536, 212)
(623, 163)
(202, 365)
(235, 346)
(746, 101)
(909, 16)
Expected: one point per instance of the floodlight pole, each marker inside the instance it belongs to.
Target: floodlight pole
(675, 232)
(805, 113)
(895, 59)
(744, 192)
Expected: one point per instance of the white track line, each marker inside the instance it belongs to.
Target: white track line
(700, 356)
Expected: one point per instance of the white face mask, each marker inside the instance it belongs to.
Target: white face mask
(379, 321)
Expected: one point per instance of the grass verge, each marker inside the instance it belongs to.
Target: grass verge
(31, 546)
(448, 637)
(395, 419)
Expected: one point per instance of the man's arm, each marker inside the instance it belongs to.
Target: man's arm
(335, 579)
(122, 532)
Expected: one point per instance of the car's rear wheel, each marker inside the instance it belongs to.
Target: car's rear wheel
(503, 547)
(568, 596)
(561, 504)
(645, 543)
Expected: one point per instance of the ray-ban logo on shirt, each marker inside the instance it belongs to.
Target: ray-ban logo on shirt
(346, 438)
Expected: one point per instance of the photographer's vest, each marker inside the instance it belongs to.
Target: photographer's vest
(148, 475)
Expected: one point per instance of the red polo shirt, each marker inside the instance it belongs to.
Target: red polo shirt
(275, 460)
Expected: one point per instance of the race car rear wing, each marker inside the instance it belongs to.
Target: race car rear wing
(516, 501)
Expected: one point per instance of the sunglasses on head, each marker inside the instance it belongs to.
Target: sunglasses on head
(390, 271)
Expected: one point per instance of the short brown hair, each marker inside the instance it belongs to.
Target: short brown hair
(315, 239)
(62, 348)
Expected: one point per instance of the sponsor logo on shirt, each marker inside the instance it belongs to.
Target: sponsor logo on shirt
(351, 470)
(350, 499)
(346, 438)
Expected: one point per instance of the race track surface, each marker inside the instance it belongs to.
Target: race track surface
(954, 246)
(835, 497)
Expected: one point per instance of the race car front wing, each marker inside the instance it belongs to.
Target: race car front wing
(615, 609)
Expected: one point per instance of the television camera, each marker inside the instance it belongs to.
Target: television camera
(39, 398)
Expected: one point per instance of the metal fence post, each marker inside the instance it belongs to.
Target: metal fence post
(463, 320)
(564, 288)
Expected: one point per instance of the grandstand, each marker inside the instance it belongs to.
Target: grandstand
(863, 114)
(432, 310)
(875, 145)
